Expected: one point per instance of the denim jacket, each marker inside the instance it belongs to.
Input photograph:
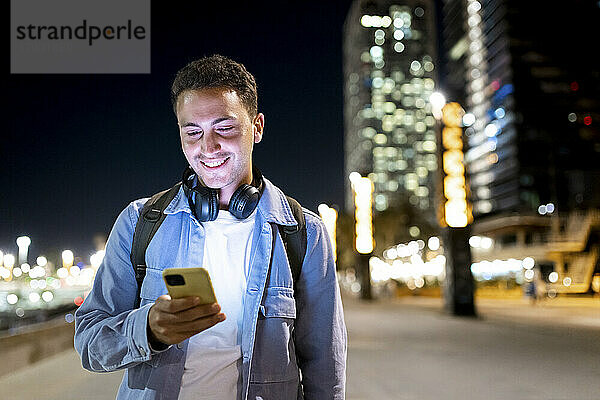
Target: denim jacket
(293, 343)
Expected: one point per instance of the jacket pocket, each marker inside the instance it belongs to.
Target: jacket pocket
(274, 356)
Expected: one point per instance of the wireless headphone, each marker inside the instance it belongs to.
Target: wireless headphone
(204, 201)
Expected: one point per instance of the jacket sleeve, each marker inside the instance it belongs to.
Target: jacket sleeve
(109, 333)
(320, 329)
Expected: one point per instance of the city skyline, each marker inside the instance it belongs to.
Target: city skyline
(390, 60)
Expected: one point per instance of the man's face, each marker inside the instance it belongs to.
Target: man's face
(217, 137)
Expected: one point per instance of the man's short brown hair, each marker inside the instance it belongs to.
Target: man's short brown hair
(217, 71)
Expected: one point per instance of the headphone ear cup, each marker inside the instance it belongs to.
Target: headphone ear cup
(206, 203)
(243, 201)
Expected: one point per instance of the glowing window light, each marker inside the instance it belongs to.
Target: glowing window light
(473, 7)
(528, 263)
(486, 243)
(62, 273)
(363, 200)
(433, 243)
(529, 274)
(329, 216)
(96, 258)
(47, 296)
(12, 299)
(376, 52)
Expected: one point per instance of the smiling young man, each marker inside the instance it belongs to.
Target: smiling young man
(272, 335)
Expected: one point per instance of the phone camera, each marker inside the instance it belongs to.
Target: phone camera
(175, 280)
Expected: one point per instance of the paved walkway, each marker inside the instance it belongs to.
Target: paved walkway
(409, 349)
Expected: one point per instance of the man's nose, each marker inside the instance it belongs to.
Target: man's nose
(210, 144)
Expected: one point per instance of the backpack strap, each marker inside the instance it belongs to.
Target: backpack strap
(151, 217)
(294, 239)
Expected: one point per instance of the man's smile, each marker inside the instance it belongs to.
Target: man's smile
(213, 164)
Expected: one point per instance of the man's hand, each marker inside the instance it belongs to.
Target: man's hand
(172, 321)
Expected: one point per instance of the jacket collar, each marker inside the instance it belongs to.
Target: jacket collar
(273, 205)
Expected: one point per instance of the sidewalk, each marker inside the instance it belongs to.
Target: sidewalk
(409, 349)
(572, 313)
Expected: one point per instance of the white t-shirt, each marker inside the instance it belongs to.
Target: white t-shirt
(214, 357)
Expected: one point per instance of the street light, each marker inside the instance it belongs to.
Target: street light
(23, 243)
(96, 258)
(67, 258)
(9, 261)
(42, 261)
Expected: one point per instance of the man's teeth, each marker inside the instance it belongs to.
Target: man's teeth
(214, 164)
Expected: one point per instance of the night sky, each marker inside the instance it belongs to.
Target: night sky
(78, 148)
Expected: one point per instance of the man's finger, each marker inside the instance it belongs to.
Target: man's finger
(199, 324)
(201, 311)
(167, 304)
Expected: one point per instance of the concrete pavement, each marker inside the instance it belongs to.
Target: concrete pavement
(409, 349)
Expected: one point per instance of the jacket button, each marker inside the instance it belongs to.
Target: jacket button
(179, 346)
(142, 351)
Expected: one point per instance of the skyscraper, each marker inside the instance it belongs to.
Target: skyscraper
(525, 73)
(389, 72)
(532, 87)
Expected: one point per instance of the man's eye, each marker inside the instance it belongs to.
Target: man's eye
(193, 133)
(225, 128)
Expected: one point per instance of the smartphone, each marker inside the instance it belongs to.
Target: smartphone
(184, 282)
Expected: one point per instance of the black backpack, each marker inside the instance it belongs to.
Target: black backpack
(152, 216)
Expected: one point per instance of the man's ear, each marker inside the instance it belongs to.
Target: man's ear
(258, 125)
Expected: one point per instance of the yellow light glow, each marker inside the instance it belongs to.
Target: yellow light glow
(9, 260)
(457, 210)
(363, 201)
(452, 114)
(452, 138)
(67, 258)
(329, 216)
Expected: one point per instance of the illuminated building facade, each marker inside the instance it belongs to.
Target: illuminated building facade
(389, 74)
(524, 71)
(525, 74)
